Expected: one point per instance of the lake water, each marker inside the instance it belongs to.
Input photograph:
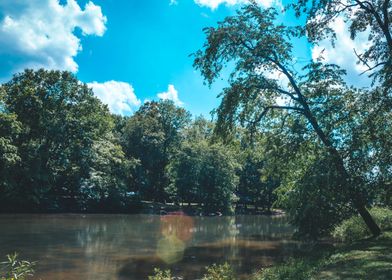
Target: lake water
(126, 247)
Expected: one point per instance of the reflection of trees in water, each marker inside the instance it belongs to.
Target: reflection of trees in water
(246, 242)
(124, 246)
(120, 235)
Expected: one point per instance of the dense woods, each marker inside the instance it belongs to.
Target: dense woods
(63, 151)
(322, 154)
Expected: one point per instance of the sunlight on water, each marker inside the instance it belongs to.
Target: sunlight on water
(176, 230)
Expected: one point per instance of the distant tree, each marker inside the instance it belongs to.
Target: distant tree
(205, 173)
(200, 129)
(218, 179)
(256, 187)
(257, 47)
(10, 129)
(151, 135)
(61, 125)
(184, 171)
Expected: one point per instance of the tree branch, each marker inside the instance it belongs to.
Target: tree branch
(370, 68)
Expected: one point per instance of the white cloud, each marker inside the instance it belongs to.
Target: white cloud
(171, 94)
(213, 4)
(173, 2)
(119, 96)
(343, 52)
(40, 33)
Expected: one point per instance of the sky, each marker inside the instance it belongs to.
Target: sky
(133, 51)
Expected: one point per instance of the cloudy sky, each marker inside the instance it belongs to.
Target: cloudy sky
(130, 51)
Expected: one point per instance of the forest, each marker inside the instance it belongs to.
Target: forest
(322, 154)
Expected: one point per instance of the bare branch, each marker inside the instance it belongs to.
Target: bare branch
(370, 68)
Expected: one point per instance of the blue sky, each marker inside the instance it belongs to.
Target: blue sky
(147, 44)
(129, 51)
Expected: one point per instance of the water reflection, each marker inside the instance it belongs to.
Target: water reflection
(129, 246)
(176, 230)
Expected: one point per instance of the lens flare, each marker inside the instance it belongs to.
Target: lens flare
(176, 230)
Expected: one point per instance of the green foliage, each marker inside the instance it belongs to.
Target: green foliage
(151, 136)
(371, 16)
(204, 172)
(219, 272)
(312, 196)
(14, 269)
(322, 118)
(214, 272)
(354, 228)
(161, 275)
(59, 141)
(257, 183)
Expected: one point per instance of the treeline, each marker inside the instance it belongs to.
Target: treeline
(62, 150)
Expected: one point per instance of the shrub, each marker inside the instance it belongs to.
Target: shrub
(214, 272)
(355, 228)
(161, 275)
(219, 272)
(14, 269)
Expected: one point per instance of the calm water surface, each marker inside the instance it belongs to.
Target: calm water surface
(128, 247)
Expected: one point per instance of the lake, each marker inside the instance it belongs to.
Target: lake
(128, 247)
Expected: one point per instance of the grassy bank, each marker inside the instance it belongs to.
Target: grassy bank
(364, 259)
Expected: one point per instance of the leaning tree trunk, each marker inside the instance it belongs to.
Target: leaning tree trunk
(357, 201)
(371, 224)
(347, 179)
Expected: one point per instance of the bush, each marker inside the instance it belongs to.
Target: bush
(14, 269)
(214, 272)
(355, 228)
(161, 275)
(219, 272)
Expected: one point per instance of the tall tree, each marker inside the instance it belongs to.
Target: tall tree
(61, 123)
(205, 173)
(151, 135)
(257, 46)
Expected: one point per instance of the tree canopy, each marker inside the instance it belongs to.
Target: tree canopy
(314, 97)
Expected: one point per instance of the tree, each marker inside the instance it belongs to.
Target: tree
(151, 135)
(257, 46)
(61, 123)
(373, 16)
(205, 173)
(10, 129)
(257, 180)
(184, 172)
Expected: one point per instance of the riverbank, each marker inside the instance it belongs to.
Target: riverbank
(364, 259)
(193, 209)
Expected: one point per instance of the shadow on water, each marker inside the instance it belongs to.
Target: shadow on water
(243, 255)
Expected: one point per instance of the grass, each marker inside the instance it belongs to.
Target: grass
(369, 259)
(364, 259)
(354, 228)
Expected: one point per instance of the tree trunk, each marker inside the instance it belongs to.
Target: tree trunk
(357, 202)
(371, 224)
